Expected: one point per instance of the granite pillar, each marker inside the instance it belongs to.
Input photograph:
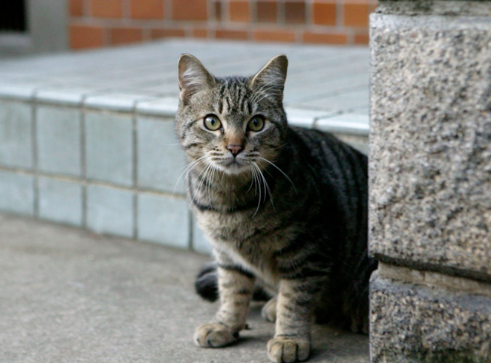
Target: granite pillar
(430, 181)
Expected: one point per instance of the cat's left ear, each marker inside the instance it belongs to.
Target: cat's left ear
(272, 77)
(193, 77)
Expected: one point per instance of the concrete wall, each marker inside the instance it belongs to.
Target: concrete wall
(430, 200)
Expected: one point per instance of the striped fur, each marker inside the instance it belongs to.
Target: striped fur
(288, 212)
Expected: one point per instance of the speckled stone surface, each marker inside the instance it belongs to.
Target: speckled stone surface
(430, 148)
(418, 324)
(437, 7)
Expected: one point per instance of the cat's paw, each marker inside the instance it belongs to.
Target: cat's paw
(214, 335)
(268, 312)
(288, 349)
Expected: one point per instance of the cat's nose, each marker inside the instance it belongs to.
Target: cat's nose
(235, 149)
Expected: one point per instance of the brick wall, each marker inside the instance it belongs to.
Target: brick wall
(100, 23)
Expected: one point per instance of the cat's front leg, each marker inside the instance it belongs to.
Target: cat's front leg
(235, 287)
(295, 303)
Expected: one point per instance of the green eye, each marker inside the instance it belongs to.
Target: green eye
(212, 122)
(256, 124)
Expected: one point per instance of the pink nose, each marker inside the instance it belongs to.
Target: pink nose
(234, 149)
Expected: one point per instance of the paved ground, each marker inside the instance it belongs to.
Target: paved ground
(70, 296)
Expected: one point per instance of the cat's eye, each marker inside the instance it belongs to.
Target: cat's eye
(256, 123)
(212, 123)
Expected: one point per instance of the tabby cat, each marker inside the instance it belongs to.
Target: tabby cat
(284, 207)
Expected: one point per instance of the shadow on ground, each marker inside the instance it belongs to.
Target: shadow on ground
(67, 295)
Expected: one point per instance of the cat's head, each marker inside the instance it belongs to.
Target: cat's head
(231, 124)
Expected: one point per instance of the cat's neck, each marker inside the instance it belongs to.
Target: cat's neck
(221, 180)
(225, 192)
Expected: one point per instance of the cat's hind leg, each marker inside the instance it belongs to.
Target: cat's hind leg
(268, 312)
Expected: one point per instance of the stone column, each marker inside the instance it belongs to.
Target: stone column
(430, 180)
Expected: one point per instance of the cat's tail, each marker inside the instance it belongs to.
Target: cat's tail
(206, 285)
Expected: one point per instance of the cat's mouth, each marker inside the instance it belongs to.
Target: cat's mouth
(232, 165)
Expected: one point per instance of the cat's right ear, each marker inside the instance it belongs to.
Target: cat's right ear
(193, 77)
(271, 78)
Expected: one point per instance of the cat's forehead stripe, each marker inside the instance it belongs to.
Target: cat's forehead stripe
(234, 96)
(220, 107)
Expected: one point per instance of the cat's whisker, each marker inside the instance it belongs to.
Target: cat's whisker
(186, 171)
(259, 189)
(257, 185)
(193, 166)
(193, 163)
(200, 178)
(256, 179)
(204, 172)
(261, 181)
(277, 147)
(212, 180)
(209, 179)
(282, 172)
(266, 187)
(204, 181)
(252, 180)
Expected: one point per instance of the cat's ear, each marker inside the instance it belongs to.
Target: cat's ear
(272, 77)
(193, 77)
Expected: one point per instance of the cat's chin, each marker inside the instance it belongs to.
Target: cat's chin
(233, 168)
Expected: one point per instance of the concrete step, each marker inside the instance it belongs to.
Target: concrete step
(68, 295)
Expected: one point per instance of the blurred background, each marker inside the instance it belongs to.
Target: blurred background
(53, 25)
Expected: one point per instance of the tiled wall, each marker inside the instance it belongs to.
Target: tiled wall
(110, 172)
(116, 172)
(100, 23)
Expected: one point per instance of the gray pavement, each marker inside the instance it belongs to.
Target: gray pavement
(67, 295)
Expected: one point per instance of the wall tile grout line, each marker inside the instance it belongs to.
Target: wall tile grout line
(191, 230)
(17, 170)
(226, 12)
(88, 182)
(134, 140)
(280, 13)
(309, 15)
(339, 14)
(83, 149)
(252, 11)
(126, 10)
(34, 146)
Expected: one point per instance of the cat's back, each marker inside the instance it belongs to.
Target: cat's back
(334, 171)
(323, 148)
(329, 160)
